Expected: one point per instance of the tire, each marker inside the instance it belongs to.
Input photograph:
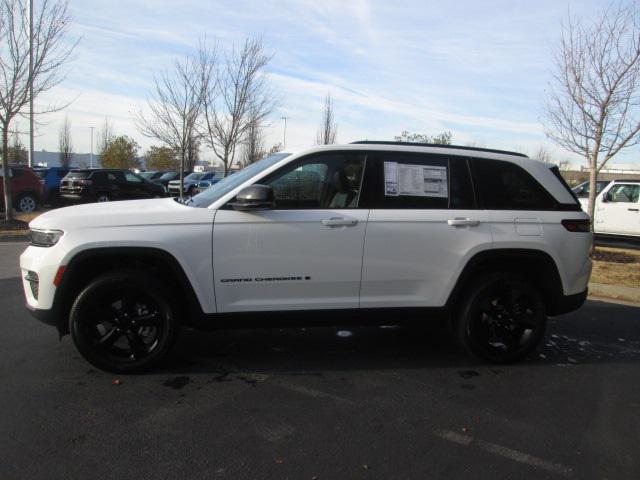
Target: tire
(124, 321)
(27, 203)
(502, 318)
(103, 197)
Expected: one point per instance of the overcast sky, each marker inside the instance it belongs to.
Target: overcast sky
(476, 68)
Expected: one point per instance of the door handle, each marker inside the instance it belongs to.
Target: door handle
(463, 222)
(633, 209)
(339, 222)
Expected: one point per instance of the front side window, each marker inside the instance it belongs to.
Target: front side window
(505, 186)
(624, 193)
(323, 181)
(131, 178)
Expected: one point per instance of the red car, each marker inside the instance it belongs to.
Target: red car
(27, 188)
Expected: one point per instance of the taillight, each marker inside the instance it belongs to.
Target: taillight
(581, 225)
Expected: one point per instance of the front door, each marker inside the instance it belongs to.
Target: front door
(306, 253)
(620, 213)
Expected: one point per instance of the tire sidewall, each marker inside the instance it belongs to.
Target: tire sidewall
(134, 280)
(485, 286)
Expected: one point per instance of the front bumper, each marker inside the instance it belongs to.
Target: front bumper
(45, 316)
(567, 303)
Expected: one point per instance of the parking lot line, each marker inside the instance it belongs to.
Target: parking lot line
(506, 452)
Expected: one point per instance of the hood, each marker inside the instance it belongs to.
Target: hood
(123, 213)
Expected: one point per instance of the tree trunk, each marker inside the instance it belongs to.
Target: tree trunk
(181, 177)
(593, 177)
(8, 204)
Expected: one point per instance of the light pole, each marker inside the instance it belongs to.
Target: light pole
(91, 157)
(284, 136)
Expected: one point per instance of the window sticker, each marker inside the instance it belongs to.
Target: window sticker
(415, 180)
(391, 179)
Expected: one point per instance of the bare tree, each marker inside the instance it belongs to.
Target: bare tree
(50, 25)
(65, 144)
(174, 109)
(592, 106)
(328, 130)
(443, 138)
(105, 135)
(235, 96)
(253, 145)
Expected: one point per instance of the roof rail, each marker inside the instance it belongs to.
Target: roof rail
(458, 147)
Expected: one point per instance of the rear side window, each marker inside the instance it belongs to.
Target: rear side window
(505, 186)
(400, 180)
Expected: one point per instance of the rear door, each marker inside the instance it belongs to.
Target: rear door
(423, 226)
(620, 213)
(304, 254)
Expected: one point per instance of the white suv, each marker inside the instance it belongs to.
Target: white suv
(373, 232)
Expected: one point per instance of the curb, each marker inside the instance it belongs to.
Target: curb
(614, 292)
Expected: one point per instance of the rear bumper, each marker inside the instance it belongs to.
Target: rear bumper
(567, 303)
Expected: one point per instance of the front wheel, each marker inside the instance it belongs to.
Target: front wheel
(124, 321)
(103, 197)
(502, 318)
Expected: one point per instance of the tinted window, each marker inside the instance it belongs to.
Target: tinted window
(417, 181)
(132, 178)
(320, 181)
(505, 186)
(626, 193)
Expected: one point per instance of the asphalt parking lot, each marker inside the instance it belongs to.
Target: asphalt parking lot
(326, 403)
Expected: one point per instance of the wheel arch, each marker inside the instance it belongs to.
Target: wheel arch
(536, 265)
(89, 264)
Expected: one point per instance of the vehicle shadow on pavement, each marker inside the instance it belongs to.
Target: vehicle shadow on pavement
(599, 332)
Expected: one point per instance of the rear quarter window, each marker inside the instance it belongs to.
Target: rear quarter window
(503, 185)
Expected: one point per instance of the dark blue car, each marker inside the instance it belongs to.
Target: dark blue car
(52, 177)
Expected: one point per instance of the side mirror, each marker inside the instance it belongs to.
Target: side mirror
(254, 197)
(606, 197)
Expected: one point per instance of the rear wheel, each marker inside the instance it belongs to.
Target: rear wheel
(27, 203)
(124, 321)
(502, 318)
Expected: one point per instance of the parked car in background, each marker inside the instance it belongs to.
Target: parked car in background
(27, 188)
(190, 182)
(617, 209)
(203, 185)
(166, 177)
(152, 174)
(582, 190)
(104, 185)
(52, 177)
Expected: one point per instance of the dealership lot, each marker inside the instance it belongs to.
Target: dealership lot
(323, 403)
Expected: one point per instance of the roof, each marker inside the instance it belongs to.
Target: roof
(439, 145)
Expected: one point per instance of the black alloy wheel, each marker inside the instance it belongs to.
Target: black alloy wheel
(503, 318)
(123, 321)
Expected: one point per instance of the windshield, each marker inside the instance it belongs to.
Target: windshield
(168, 176)
(41, 173)
(79, 174)
(224, 186)
(148, 175)
(194, 176)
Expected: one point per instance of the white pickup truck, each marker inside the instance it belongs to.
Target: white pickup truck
(617, 209)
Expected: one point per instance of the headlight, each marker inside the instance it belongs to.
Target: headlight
(45, 238)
